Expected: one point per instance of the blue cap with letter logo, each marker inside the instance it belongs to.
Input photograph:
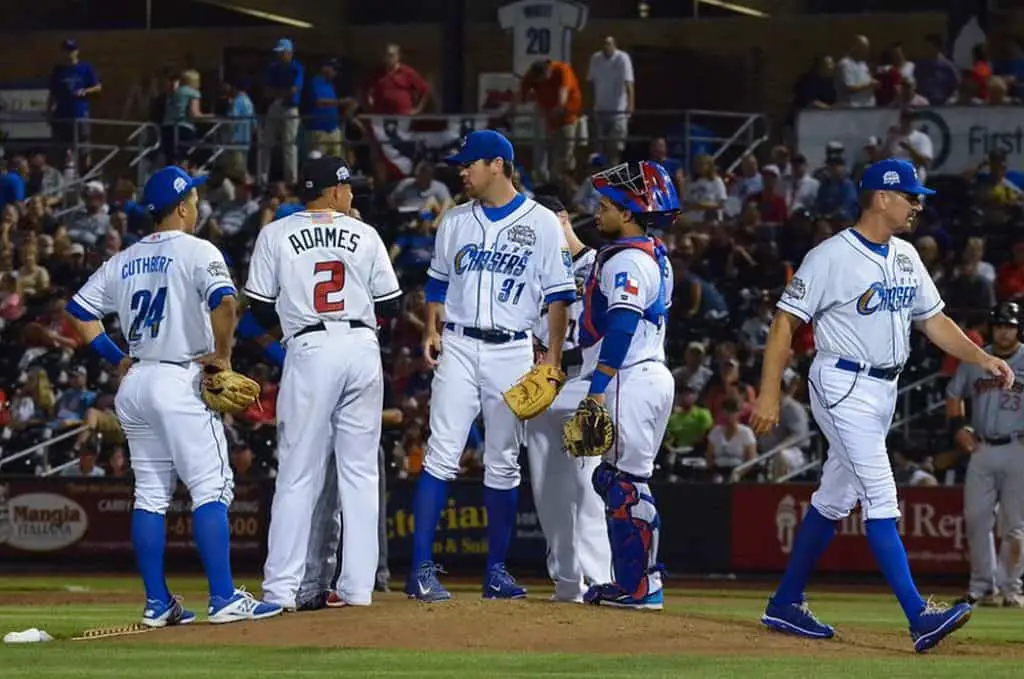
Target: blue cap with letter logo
(483, 145)
(167, 187)
(893, 175)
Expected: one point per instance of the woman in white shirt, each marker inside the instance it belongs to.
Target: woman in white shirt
(706, 193)
(732, 443)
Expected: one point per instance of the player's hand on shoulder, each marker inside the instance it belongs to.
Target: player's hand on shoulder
(765, 416)
(999, 368)
(431, 346)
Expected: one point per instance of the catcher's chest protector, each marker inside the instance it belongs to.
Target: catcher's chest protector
(593, 323)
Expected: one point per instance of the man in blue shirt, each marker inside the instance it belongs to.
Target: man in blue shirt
(240, 109)
(324, 128)
(284, 87)
(837, 196)
(12, 181)
(71, 84)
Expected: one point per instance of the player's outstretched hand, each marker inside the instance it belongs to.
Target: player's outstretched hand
(766, 414)
(432, 347)
(999, 368)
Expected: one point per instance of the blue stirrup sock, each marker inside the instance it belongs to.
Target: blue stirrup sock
(431, 494)
(891, 556)
(812, 539)
(501, 508)
(213, 541)
(149, 538)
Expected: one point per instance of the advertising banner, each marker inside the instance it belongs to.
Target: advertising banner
(765, 519)
(962, 136)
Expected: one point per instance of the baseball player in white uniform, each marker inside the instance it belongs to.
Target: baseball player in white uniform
(496, 259)
(318, 273)
(571, 514)
(174, 297)
(995, 472)
(622, 331)
(862, 288)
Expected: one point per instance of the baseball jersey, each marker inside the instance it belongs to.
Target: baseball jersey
(862, 302)
(629, 279)
(321, 266)
(499, 273)
(541, 29)
(581, 265)
(995, 412)
(160, 288)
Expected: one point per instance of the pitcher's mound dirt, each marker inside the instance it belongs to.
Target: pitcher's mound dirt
(466, 624)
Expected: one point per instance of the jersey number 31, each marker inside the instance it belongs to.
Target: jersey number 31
(325, 292)
(149, 312)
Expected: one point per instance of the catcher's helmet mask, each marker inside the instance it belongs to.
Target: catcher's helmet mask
(645, 189)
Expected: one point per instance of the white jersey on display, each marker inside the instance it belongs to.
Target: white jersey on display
(863, 312)
(321, 266)
(160, 288)
(541, 29)
(581, 265)
(499, 272)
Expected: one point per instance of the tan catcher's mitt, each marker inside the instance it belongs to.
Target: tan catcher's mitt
(226, 391)
(590, 431)
(535, 391)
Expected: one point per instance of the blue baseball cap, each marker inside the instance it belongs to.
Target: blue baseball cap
(284, 45)
(483, 145)
(167, 187)
(893, 175)
(70, 45)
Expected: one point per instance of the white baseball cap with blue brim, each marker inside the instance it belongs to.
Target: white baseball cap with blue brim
(893, 175)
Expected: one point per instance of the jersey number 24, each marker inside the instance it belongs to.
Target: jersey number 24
(325, 291)
(149, 312)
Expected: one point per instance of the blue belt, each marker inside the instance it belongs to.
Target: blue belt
(490, 336)
(888, 374)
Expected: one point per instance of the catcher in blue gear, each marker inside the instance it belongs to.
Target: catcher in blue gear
(623, 417)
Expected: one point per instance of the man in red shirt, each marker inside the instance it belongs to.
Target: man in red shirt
(395, 88)
(1010, 276)
(770, 202)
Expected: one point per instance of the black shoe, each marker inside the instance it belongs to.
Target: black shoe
(314, 604)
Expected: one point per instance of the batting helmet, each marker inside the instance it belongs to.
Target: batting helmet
(643, 188)
(1007, 313)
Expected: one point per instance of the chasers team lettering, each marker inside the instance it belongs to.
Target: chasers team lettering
(506, 260)
(880, 297)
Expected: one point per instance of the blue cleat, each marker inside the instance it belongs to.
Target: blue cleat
(424, 586)
(795, 619)
(164, 614)
(240, 606)
(613, 595)
(936, 622)
(499, 584)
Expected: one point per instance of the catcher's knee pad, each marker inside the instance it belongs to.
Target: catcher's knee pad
(633, 527)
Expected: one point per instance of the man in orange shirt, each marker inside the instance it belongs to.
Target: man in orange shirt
(556, 90)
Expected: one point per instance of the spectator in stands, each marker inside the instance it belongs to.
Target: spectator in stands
(325, 125)
(966, 94)
(408, 330)
(91, 227)
(995, 188)
(86, 465)
(33, 402)
(409, 451)
(243, 463)
(907, 143)
(931, 257)
(908, 95)
(241, 110)
(749, 181)
(38, 217)
(1010, 276)
(770, 203)
(889, 78)
(802, 192)
(938, 78)
(44, 179)
(71, 84)
(33, 279)
(12, 182)
(395, 88)
(420, 192)
(284, 83)
(693, 373)
(794, 426)
(556, 90)
(999, 93)
(754, 331)
(854, 82)
(690, 422)
(706, 193)
(586, 198)
(969, 289)
(180, 117)
(730, 443)
(117, 464)
(101, 424)
(973, 259)
(74, 401)
(413, 248)
(614, 97)
(817, 87)
(837, 196)
(728, 384)
(69, 271)
(981, 70)
(658, 152)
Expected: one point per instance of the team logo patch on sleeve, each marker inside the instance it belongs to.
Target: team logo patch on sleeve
(904, 264)
(217, 269)
(567, 262)
(627, 283)
(796, 289)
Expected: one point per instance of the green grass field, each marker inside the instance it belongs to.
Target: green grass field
(702, 633)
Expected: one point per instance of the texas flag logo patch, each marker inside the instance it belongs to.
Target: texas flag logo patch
(628, 284)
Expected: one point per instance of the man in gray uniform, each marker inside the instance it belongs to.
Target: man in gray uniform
(995, 472)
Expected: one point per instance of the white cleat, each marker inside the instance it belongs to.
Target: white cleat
(241, 606)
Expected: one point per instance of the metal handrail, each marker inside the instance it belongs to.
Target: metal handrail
(52, 471)
(40, 446)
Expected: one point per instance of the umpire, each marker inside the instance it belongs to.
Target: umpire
(995, 471)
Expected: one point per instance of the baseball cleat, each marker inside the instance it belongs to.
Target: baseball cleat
(990, 600)
(424, 586)
(1013, 601)
(164, 614)
(334, 600)
(241, 606)
(314, 603)
(499, 584)
(613, 595)
(795, 618)
(936, 622)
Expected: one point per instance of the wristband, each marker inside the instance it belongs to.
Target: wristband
(107, 350)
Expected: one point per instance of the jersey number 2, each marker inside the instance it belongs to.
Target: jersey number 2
(322, 304)
(149, 311)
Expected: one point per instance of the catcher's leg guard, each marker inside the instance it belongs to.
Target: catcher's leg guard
(633, 530)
